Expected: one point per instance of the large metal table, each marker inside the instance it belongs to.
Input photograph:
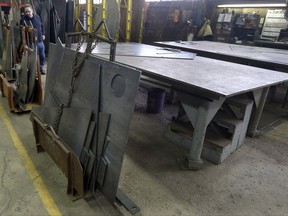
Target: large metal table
(269, 58)
(202, 86)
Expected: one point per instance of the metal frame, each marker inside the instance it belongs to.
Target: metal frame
(47, 140)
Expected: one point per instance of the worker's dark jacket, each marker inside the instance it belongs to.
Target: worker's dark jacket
(37, 24)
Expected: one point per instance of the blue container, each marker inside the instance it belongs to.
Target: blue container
(155, 100)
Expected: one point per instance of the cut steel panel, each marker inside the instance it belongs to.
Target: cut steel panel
(101, 86)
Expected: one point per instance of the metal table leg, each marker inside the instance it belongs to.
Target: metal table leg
(285, 99)
(200, 112)
(260, 96)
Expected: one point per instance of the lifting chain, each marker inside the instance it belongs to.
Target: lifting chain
(78, 61)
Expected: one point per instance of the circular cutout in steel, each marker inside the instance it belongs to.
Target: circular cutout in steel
(118, 85)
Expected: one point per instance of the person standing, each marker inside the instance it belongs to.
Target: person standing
(33, 19)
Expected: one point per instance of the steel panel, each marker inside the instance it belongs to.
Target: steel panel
(140, 50)
(101, 86)
(251, 55)
(73, 128)
(206, 75)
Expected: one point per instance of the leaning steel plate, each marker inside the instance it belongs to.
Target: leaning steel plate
(73, 128)
(15, 16)
(101, 86)
(23, 79)
(32, 70)
(1, 37)
(112, 19)
(48, 115)
(7, 54)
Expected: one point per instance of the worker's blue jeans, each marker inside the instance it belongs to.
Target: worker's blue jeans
(41, 49)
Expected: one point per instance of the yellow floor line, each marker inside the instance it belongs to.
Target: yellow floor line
(44, 194)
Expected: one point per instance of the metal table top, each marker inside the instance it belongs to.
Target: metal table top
(204, 74)
(261, 56)
(224, 78)
(136, 49)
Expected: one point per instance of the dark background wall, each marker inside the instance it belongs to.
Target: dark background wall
(171, 20)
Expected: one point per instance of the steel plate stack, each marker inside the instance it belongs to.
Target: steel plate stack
(87, 136)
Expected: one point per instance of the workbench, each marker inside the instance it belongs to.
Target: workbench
(202, 85)
(269, 58)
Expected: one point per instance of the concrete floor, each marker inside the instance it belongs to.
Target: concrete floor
(252, 181)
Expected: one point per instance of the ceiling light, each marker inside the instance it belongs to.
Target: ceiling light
(251, 5)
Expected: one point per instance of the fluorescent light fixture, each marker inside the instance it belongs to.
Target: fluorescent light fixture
(251, 5)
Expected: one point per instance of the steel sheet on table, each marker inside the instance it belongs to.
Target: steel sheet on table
(140, 50)
(206, 75)
(251, 55)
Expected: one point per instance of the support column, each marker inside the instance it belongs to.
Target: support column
(104, 16)
(77, 14)
(128, 20)
(89, 15)
(260, 96)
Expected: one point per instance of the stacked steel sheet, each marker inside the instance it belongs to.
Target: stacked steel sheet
(84, 121)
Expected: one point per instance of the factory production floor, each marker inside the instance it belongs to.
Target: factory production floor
(252, 181)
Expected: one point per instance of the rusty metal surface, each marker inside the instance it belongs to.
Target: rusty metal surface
(107, 89)
(7, 53)
(20, 73)
(12, 39)
(26, 74)
(58, 151)
(7, 90)
(1, 37)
